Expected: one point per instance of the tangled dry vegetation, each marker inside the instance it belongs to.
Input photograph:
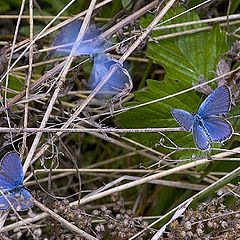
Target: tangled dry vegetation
(92, 177)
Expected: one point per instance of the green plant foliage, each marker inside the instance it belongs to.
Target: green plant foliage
(24, 30)
(234, 6)
(15, 84)
(189, 56)
(158, 114)
(4, 6)
(12, 3)
(184, 59)
(111, 9)
(127, 4)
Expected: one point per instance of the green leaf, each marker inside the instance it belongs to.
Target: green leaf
(14, 84)
(4, 7)
(172, 13)
(127, 3)
(234, 6)
(190, 56)
(158, 114)
(184, 59)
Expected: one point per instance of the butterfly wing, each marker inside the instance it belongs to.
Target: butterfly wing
(11, 173)
(20, 200)
(11, 184)
(115, 84)
(184, 118)
(200, 137)
(91, 43)
(218, 128)
(4, 204)
(219, 102)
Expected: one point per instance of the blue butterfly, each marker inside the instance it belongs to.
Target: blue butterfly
(208, 125)
(120, 83)
(91, 43)
(13, 192)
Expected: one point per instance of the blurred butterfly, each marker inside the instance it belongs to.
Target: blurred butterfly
(91, 43)
(208, 125)
(119, 84)
(13, 193)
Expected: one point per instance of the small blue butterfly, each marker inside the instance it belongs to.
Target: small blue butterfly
(207, 125)
(12, 189)
(90, 45)
(120, 83)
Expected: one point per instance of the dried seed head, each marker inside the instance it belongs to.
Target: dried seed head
(100, 228)
(210, 224)
(188, 225)
(224, 224)
(199, 231)
(95, 212)
(37, 232)
(103, 208)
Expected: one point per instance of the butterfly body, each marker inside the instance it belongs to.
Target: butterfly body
(198, 120)
(208, 125)
(12, 190)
